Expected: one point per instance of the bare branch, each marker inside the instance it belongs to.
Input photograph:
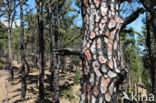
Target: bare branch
(67, 51)
(3, 37)
(150, 9)
(132, 17)
(121, 1)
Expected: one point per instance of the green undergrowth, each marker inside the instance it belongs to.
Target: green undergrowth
(70, 95)
(77, 77)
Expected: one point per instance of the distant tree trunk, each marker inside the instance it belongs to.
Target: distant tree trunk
(154, 26)
(11, 73)
(23, 74)
(17, 57)
(149, 44)
(13, 56)
(154, 57)
(11, 10)
(60, 39)
(149, 6)
(41, 48)
(54, 57)
(56, 69)
(52, 44)
(36, 58)
(102, 48)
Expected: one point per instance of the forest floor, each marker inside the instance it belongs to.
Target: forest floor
(10, 91)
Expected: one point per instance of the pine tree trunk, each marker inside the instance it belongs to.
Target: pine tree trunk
(153, 57)
(36, 58)
(11, 73)
(149, 21)
(23, 75)
(55, 60)
(41, 48)
(102, 49)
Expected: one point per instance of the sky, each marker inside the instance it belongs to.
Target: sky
(137, 24)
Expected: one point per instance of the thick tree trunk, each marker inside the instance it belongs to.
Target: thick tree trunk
(23, 74)
(102, 49)
(11, 72)
(41, 48)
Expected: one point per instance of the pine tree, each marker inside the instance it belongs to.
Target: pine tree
(147, 41)
(133, 61)
(9, 12)
(103, 64)
(54, 59)
(149, 6)
(102, 60)
(40, 4)
(23, 74)
(59, 22)
(3, 38)
(31, 23)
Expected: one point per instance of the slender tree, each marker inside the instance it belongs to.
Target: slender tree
(56, 69)
(54, 59)
(3, 38)
(41, 48)
(58, 21)
(149, 6)
(23, 74)
(9, 12)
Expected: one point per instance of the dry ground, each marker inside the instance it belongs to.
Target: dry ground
(10, 91)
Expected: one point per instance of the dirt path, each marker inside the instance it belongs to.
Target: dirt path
(10, 91)
(4, 85)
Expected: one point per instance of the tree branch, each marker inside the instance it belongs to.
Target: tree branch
(131, 18)
(67, 51)
(150, 9)
(121, 1)
(1, 37)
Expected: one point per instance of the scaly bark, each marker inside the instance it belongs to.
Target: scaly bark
(101, 53)
(102, 49)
